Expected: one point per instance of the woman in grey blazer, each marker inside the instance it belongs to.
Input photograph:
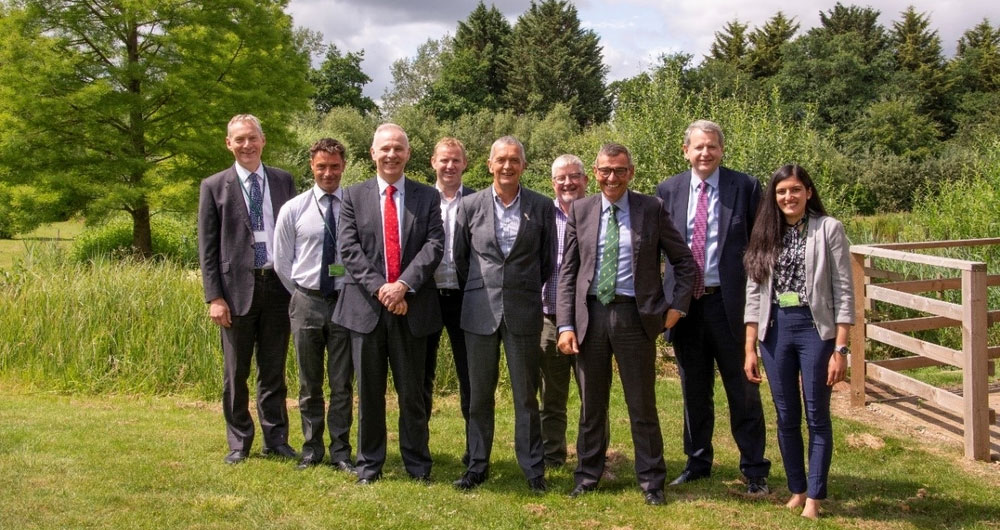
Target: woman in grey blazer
(799, 307)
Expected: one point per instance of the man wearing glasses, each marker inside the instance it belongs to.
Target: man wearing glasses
(611, 302)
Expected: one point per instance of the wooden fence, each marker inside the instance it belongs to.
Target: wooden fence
(971, 314)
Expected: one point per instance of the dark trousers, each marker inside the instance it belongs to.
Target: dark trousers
(264, 328)
(553, 390)
(616, 330)
(451, 315)
(484, 368)
(391, 345)
(701, 340)
(792, 347)
(316, 337)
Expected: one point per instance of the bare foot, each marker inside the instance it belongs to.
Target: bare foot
(797, 500)
(811, 511)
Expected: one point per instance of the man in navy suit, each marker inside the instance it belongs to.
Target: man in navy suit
(449, 162)
(714, 207)
(237, 209)
(391, 242)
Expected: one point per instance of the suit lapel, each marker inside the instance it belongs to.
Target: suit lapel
(527, 212)
(276, 195)
(727, 196)
(234, 194)
(488, 211)
(588, 229)
(636, 220)
(370, 192)
(680, 203)
(410, 206)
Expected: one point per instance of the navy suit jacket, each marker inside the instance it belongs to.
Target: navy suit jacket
(362, 249)
(225, 239)
(739, 195)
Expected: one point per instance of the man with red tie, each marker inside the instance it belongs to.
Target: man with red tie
(391, 241)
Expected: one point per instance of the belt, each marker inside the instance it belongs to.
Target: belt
(450, 292)
(618, 299)
(712, 289)
(264, 273)
(317, 293)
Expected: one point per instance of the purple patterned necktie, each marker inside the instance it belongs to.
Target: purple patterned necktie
(698, 240)
(257, 221)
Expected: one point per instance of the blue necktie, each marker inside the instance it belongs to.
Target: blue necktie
(257, 221)
(326, 281)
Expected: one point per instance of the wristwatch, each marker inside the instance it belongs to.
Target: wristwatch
(843, 350)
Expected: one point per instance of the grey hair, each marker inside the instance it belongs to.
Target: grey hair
(508, 140)
(612, 149)
(387, 126)
(239, 118)
(566, 160)
(705, 126)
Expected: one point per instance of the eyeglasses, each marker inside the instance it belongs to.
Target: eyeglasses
(564, 178)
(607, 171)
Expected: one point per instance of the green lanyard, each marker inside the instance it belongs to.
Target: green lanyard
(247, 195)
(323, 217)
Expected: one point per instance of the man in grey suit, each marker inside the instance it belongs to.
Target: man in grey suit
(449, 162)
(391, 241)
(714, 207)
(611, 302)
(236, 214)
(503, 249)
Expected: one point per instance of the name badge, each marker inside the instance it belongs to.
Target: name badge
(788, 299)
(259, 236)
(336, 269)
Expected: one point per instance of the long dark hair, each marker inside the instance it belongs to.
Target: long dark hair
(769, 225)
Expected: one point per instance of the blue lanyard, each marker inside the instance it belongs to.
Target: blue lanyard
(323, 217)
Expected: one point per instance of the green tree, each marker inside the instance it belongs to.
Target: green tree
(766, 43)
(730, 45)
(860, 21)
(124, 104)
(339, 82)
(472, 75)
(977, 61)
(412, 77)
(917, 50)
(553, 60)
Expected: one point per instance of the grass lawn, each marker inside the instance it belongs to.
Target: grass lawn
(61, 233)
(156, 462)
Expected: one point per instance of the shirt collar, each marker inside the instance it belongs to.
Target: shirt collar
(244, 173)
(621, 203)
(382, 184)
(712, 180)
(318, 192)
(496, 198)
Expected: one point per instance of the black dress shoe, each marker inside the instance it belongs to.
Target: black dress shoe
(688, 476)
(654, 497)
(580, 489)
(281, 451)
(757, 486)
(235, 457)
(368, 480)
(423, 479)
(469, 480)
(307, 463)
(537, 485)
(343, 465)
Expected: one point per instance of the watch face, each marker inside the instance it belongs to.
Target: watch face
(843, 350)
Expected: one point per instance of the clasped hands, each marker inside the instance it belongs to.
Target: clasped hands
(392, 296)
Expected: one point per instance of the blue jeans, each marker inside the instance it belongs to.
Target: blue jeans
(791, 347)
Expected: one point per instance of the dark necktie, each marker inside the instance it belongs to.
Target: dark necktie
(257, 221)
(326, 281)
(698, 240)
(608, 274)
(391, 224)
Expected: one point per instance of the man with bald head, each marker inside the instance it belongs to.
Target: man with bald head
(504, 253)
(391, 242)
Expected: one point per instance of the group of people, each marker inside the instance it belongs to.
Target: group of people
(367, 278)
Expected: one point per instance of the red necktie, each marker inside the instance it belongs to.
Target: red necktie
(698, 240)
(391, 224)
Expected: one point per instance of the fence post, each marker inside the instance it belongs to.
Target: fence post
(974, 366)
(858, 331)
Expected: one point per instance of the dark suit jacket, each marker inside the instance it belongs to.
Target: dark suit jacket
(362, 249)
(225, 239)
(739, 195)
(498, 287)
(652, 232)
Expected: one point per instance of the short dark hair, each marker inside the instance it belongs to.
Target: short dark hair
(328, 145)
(611, 149)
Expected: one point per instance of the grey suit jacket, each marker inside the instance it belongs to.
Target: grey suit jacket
(497, 287)
(362, 250)
(652, 232)
(225, 239)
(739, 195)
(829, 281)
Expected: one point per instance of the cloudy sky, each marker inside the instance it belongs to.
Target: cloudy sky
(633, 32)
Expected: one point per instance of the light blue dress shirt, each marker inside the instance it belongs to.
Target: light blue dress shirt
(712, 235)
(625, 282)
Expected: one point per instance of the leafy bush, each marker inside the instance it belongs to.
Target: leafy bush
(172, 240)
